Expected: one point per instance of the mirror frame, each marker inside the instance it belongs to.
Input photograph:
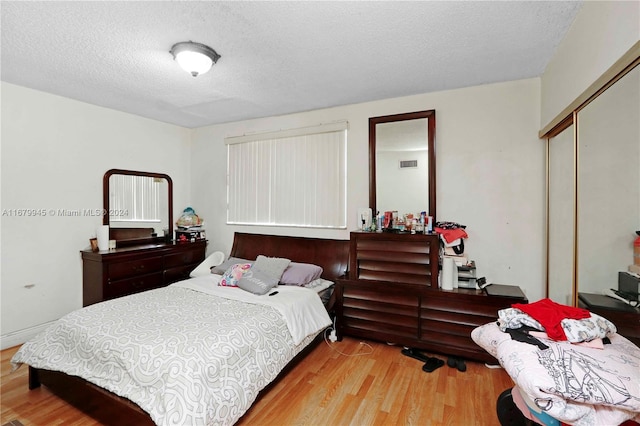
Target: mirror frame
(105, 191)
(430, 115)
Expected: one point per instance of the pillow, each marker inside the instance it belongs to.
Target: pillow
(319, 285)
(204, 268)
(257, 282)
(273, 266)
(234, 274)
(222, 268)
(300, 273)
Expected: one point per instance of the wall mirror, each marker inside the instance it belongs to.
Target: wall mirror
(138, 205)
(402, 160)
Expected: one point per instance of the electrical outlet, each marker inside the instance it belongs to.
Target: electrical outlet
(332, 336)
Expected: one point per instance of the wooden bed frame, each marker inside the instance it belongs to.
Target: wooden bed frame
(108, 408)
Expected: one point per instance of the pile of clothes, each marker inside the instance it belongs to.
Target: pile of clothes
(569, 365)
(546, 319)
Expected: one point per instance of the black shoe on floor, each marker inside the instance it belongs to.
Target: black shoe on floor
(432, 364)
(415, 353)
(455, 362)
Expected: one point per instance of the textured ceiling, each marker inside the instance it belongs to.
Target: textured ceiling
(277, 57)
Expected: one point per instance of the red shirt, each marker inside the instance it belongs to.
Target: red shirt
(549, 314)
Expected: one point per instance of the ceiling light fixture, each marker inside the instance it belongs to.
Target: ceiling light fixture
(194, 58)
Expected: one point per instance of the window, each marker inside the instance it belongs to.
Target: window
(289, 178)
(136, 198)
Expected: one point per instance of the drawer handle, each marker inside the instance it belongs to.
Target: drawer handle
(138, 267)
(138, 284)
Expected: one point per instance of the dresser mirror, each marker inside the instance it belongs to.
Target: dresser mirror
(138, 206)
(402, 158)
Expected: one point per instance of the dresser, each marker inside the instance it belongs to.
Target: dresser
(626, 318)
(391, 295)
(127, 270)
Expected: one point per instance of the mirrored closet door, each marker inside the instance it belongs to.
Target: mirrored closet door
(561, 194)
(608, 184)
(593, 188)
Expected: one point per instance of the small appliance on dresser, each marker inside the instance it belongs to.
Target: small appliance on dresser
(467, 275)
(629, 285)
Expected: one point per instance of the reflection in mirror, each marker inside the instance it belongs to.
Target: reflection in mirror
(138, 205)
(608, 184)
(402, 163)
(561, 206)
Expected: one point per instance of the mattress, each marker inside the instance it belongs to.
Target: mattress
(191, 353)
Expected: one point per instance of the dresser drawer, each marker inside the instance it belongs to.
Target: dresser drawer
(178, 273)
(386, 297)
(436, 316)
(367, 311)
(184, 258)
(132, 285)
(479, 306)
(132, 268)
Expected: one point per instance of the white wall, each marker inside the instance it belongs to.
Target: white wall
(490, 173)
(403, 190)
(601, 33)
(54, 153)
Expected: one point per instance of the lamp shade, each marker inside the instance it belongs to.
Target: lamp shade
(195, 58)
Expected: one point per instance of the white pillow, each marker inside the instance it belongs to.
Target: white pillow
(204, 268)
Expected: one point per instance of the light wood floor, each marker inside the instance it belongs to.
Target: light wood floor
(373, 384)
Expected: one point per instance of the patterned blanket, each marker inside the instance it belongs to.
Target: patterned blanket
(184, 356)
(574, 384)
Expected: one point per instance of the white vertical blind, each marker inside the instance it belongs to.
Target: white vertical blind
(295, 180)
(136, 198)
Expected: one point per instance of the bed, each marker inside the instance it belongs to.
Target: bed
(198, 353)
(577, 381)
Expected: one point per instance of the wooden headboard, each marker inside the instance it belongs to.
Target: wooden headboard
(331, 255)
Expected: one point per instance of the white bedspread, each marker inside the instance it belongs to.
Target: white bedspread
(185, 356)
(574, 384)
(301, 308)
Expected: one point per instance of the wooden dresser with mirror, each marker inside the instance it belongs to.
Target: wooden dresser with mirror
(143, 258)
(391, 293)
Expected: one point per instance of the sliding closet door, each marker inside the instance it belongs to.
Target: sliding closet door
(608, 184)
(561, 214)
